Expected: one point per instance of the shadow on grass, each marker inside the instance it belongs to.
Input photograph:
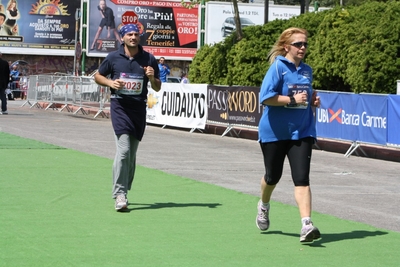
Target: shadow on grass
(145, 206)
(328, 238)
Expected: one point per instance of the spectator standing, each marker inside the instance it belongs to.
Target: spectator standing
(14, 74)
(4, 79)
(130, 69)
(164, 69)
(23, 86)
(287, 126)
(184, 78)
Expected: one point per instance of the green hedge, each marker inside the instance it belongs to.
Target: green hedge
(353, 49)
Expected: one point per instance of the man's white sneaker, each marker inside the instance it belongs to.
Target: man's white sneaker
(121, 203)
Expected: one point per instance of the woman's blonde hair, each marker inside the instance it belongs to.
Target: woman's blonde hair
(10, 3)
(286, 37)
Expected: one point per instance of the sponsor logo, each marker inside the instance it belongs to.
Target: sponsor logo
(357, 119)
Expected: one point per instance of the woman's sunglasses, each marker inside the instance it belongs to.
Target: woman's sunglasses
(300, 44)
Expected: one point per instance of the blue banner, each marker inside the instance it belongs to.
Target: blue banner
(332, 113)
(349, 106)
(372, 112)
(393, 136)
(352, 117)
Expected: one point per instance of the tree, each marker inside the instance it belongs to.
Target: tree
(239, 30)
(352, 49)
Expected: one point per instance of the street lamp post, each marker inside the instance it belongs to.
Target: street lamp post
(78, 48)
(202, 19)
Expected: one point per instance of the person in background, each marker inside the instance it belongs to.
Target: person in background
(287, 127)
(4, 79)
(130, 69)
(164, 69)
(23, 87)
(14, 76)
(184, 78)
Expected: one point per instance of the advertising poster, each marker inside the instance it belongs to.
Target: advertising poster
(393, 136)
(178, 105)
(332, 119)
(244, 106)
(38, 27)
(234, 105)
(373, 114)
(220, 23)
(167, 28)
(353, 117)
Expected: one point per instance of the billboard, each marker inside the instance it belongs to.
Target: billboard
(38, 27)
(219, 21)
(168, 29)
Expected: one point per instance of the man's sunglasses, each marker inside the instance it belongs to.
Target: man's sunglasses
(300, 44)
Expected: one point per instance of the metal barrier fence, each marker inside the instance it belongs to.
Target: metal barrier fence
(71, 93)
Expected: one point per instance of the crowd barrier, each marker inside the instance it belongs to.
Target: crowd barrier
(359, 118)
(178, 105)
(66, 91)
(236, 107)
(372, 119)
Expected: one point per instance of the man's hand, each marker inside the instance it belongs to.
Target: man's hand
(155, 83)
(117, 84)
(149, 71)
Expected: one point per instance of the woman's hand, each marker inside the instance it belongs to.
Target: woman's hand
(315, 100)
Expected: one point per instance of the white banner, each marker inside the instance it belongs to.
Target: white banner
(219, 21)
(178, 105)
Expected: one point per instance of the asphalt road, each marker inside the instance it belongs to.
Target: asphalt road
(355, 188)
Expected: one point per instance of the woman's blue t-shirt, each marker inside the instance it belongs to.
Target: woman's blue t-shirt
(282, 122)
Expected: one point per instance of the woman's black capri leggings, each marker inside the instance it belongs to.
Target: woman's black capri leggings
(299, 156)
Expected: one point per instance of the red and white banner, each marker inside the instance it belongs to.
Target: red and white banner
(178, 105)
(167, 28)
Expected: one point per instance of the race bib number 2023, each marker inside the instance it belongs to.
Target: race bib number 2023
(133, 84)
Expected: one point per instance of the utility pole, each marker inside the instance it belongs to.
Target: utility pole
(78, 48)
(302, 6)
(316, 6)
(202, 19)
